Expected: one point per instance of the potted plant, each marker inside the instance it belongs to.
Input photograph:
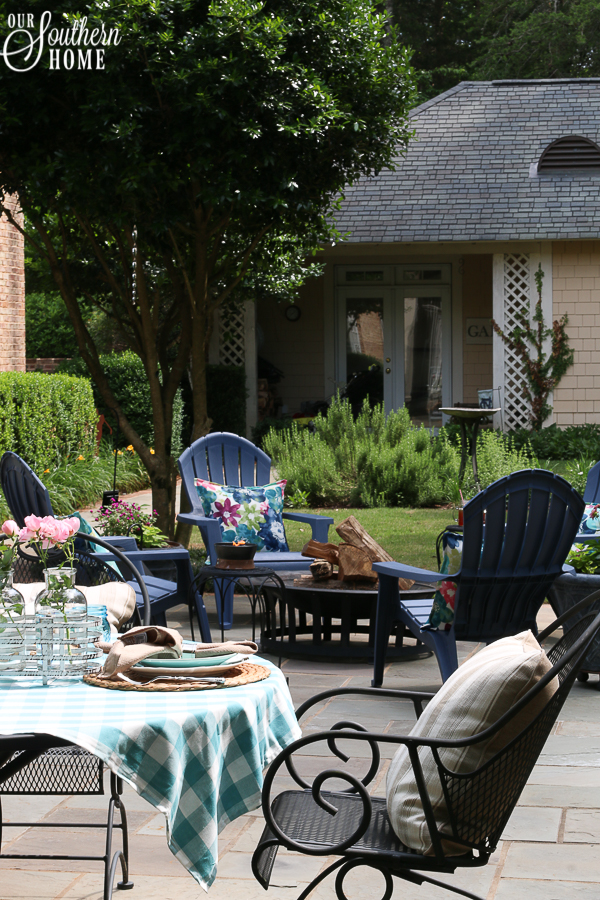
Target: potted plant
(129, 519)
(569, 589)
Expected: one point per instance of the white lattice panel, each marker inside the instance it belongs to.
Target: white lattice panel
(516, 301)
(232, 343)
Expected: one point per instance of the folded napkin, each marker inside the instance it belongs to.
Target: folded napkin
(244, 647)
(136, 645)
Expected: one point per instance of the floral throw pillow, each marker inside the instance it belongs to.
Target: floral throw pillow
(590, 522)
(253, 514)
(441, 616)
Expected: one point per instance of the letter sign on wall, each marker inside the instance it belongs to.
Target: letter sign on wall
(478, 331)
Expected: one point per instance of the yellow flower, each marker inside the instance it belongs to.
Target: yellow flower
(151, 451)
(46, 471)
(120, 452)
(130, 448)
(80, 457)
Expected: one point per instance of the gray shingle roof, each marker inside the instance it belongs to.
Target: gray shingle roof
(467, 174)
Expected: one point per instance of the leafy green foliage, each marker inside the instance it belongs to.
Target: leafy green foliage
(577, 471)
(127, 378)
(537, 39)
(585, 558)
(438, 33)
(541, 371)
(122, 517)
(496, 458)
(268, 424)
(45, 417)
(48, 328)
(372, 460)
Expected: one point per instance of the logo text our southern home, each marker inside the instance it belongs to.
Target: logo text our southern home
(73, 45)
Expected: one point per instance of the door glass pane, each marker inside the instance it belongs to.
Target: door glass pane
(364, 350)
(423, 358)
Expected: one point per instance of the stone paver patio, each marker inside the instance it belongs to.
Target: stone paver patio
(550, 848)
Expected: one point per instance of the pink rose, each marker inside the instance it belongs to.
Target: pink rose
(74, 525)
(32, 523)
(10, 528)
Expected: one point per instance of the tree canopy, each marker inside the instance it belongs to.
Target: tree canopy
(222, 132)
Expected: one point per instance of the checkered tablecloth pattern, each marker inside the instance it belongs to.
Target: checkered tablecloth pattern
(198, 757)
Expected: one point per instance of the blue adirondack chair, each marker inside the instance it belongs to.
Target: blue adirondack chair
(517, 534)
(27, 495)
(225, 458)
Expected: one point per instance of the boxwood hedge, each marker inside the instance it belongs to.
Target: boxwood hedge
(43, 417)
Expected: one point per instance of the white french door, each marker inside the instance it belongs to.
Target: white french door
(403, 335)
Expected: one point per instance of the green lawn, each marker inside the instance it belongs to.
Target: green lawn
(408, 535)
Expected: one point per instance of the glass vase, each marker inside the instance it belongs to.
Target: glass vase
(12, 626)
(60, 599)
(61, 624)
(12, 604)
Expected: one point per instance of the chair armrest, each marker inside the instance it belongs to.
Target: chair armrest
(567, 569)
(417, 697)
(584, 538)
(348, 731)
(124, 541)
(399, 570)
(319, 524)
(209, 529)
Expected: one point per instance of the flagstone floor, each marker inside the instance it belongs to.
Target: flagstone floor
(550, 848)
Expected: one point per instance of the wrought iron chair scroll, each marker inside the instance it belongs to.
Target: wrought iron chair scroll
(354, 825)
(45, 764)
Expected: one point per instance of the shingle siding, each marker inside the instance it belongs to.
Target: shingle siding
(467, 174)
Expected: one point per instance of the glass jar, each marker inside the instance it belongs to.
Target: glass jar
(60, 599)
(12, 604)
(101, 613)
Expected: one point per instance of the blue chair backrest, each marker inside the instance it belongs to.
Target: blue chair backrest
(224, 459)
(23, 490)
(508, 565)
(592, 485)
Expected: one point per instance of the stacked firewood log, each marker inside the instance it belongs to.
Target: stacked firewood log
(354, 557)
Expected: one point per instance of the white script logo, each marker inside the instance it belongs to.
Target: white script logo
(71, 46)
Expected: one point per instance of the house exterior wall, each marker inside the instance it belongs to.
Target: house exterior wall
(12, 298)
(576, 292)
(297, 348)
(476, 303)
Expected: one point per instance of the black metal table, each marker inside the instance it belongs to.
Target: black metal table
(323, 609)
(250, 581)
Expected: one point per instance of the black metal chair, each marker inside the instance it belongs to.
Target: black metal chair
(44, 764)
(354, 826)
(27, 495)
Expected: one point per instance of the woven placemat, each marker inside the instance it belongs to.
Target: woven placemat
(245, 673)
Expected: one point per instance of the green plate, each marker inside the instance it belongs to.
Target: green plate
(186, 662)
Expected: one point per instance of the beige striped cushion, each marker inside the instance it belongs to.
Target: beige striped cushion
(481, 690)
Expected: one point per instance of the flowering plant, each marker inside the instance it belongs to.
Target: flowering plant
(129, 518)
(9, 541)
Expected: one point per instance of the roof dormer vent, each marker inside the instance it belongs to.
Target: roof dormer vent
(573, 152)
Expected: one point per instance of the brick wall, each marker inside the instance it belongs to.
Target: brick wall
(477, 303)
(48, 364)
(12, 298)
(576, 292)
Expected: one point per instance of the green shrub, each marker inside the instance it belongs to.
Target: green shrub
(561, 443)
(262, 428)
(45, 417)
(127, 379)
(49, 331)
(496, 457)
(371, 461)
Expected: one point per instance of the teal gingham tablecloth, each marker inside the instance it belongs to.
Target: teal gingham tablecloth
(197, 756)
